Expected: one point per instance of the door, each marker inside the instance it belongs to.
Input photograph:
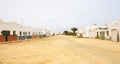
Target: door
(97, 35)
(118, 37)
(114, 34)
(103, 35)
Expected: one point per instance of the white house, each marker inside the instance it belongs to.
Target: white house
(83, 32)
(10, 31)
(103, 32)
(93, 31)
(45, 32)
(14, 28)
(79, 32)
(114, 30)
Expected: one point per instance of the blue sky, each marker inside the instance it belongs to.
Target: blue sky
(59, 15)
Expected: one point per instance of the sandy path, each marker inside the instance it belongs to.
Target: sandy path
(61, 50)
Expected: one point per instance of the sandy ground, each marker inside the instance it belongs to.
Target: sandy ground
(61, 50)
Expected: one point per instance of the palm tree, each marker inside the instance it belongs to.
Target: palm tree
(74, 29)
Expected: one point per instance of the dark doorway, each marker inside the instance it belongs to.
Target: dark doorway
(20, 33)
(29, 33)
(118, 37)
(6, 33)
(97, 35)
(14, 33)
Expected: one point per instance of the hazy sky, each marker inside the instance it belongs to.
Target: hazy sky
(58, 15)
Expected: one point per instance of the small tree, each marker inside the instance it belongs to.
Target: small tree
(70, 33)
(74, 29)
(66, 32)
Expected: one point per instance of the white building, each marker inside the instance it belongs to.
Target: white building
(45, 32)
(83, 32)
(14, 28)
(13, 31)
(114, 30)
(103, 33)
(8, 30)
(93, 31)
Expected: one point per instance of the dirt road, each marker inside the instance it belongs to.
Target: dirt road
(61, 50)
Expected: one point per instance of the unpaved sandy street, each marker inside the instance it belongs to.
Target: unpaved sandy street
(61, 50)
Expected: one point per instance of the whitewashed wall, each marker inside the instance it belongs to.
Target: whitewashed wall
(93, 31)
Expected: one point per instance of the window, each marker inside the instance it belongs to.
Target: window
(24, 33)
(29, 33)
(14, 33)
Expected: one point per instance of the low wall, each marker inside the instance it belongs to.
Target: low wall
(39, 36)
(35, 36)
(2, 38)
(12, 38)
(29, 37)
(24, 37)
(21, 37)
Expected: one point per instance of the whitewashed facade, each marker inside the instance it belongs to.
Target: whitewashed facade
(114, 30)
(83, 32)
(103, 33)
(19, 31)
(93, 31)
